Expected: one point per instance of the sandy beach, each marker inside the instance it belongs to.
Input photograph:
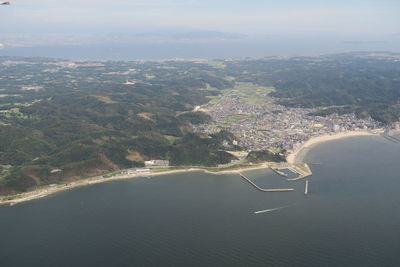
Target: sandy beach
(52, 189)
(293, 156)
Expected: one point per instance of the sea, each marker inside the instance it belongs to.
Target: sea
(238, 49)
(350, 217)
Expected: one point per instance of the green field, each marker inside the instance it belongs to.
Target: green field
(236, 118)
(216, 64)
(248, 92)
(251, 92)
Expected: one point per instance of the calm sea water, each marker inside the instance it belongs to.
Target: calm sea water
(272, 46)
(350, 218)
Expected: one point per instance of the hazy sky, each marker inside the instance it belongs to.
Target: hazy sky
(237, 16)
(157, 29)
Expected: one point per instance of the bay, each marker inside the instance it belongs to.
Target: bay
(350, 217)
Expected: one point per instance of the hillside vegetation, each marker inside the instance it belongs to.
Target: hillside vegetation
(62, 120)
(86, 118)
(363, 83)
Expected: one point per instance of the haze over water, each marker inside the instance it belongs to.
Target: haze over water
(350, 217)
(257, 48)
(154, 29)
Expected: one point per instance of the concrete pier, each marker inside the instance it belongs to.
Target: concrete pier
(303, 171)
(266, 190)
(306, 188)
(279, 172)
(298, 178)
(391, 138)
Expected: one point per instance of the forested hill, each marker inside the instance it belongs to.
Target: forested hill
(364, 83)
(89, 117)
(62, 120)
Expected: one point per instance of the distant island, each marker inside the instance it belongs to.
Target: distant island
(62, 121)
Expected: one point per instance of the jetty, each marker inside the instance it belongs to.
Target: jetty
(306, 188)
(266, 190)
(279, 172)
(391, 138)
(302, 169)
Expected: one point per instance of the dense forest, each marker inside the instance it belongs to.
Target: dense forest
(62, 120)
(363, 83)
(87, 118)
(263, 156)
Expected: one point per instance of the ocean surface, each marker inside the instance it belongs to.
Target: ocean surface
(288, 46)
(351, 217)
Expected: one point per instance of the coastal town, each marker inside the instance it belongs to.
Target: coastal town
(125, 140)
(263, 124)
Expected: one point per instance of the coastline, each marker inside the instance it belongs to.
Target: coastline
(292, 158)
(52, 189)
(295, 155)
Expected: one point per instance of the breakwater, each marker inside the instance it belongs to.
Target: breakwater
(303, 171)
(279, 172)
(391, 138)
(306, 188)
(266, 190)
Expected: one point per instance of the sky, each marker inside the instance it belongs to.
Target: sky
(54, 21)
(243, 16)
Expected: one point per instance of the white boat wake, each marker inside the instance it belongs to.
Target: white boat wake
(269, 210)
